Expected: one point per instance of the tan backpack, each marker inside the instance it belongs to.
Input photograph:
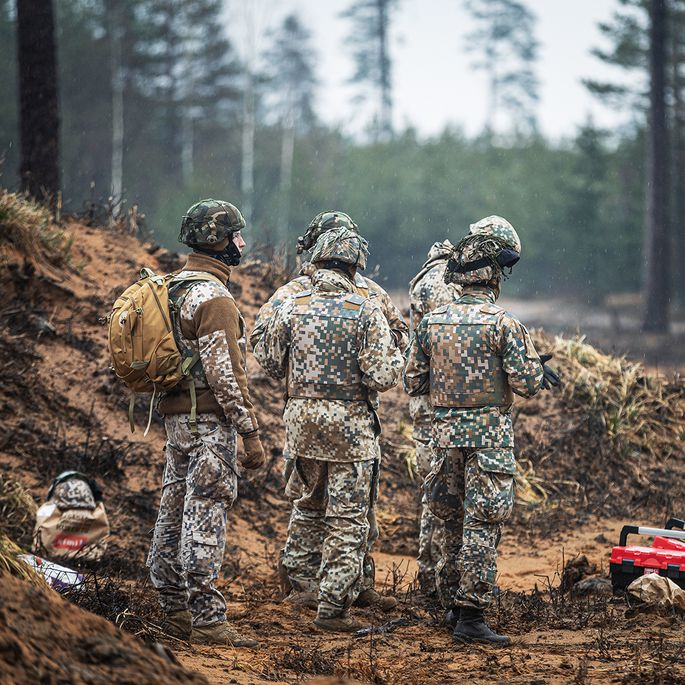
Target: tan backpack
(141, 340)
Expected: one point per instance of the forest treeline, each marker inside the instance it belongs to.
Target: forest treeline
(157, 108)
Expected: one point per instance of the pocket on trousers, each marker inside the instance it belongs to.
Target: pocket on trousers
(496, 460)
(212, 475)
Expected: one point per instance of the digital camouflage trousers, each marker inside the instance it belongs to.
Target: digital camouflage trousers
(472, 491)
(329, 530)
(431, 528)
(294, 490)
(200, 485)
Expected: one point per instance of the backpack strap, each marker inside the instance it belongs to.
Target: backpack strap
(176, 283)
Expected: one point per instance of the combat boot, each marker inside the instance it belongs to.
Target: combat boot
(221, 633)
(372, 599)
(306, 600)
(177, 624)
(343, 623)
(452, 617)
(473, 628)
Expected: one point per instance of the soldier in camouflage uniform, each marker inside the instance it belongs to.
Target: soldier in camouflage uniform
(202, 418)
(322, 222)
(428, 290)
(337, 351)
(470, 356)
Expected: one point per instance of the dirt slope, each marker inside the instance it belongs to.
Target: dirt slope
(61, 408)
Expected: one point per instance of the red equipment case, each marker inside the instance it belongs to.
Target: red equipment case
(666, 556)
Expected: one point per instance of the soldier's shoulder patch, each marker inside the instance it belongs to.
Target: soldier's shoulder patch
(492, 309)
(440, 310)
(353, 301)
(302, 298)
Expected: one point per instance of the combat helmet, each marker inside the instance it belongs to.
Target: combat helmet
(341, 245)
(322, 222)
(208, 222)
(491, 246)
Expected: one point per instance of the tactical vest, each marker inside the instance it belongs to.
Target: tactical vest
(464, 370)
(323, 349)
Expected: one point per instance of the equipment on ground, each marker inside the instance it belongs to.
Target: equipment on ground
(666, 556)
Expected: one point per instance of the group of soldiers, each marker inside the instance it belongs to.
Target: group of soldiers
(338, 341)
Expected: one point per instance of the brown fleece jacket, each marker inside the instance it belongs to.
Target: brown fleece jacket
(210, 321)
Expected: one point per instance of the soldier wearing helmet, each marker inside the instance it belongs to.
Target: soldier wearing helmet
(470, 357)
(331, 220)
(336, 350)
(322, 222)
(200, 481)
(428, 290)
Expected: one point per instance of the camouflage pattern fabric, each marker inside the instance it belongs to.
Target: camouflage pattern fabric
(199, 487)
(322, 222)
(328, 532)
(293, 490)
(427, 372)
(473, 492)
(363, 286)
(332, 437)
(209, 221)
(428, 290)
(74, 493)
(318, 427)
(215, 369)
(341, 244)
(486, 238)
(471, 484)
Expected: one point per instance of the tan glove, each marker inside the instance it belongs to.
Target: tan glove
(253, 452)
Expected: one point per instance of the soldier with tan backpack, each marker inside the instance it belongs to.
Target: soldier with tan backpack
(182, 336)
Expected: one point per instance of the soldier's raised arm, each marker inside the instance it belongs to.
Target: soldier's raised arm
(275, 342)
(379, 358)
(417, 371)
(398, 326)
(520, 360)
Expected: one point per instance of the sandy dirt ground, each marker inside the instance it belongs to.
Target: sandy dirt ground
(61, 408)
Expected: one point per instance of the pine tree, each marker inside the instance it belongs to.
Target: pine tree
(291, 79)
(505, 33)
(646, 38)
(186, 65)
(657, 238)
(369, 37)
(38, 98)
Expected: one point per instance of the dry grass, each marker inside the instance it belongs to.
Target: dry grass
(27, 227)
(17, 510)
(637, 413)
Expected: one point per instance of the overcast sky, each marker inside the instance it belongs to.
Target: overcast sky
(434, 83)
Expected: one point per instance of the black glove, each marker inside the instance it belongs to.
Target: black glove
(550, 378)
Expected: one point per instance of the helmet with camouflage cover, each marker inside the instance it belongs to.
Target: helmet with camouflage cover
(341, 245)
(208, 222)
(322, 222)
(491, 245)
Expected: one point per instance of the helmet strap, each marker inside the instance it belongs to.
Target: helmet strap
(230, 255)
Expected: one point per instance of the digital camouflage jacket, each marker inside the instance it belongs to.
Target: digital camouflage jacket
(469, 356)
(364, 287)
(211, 324)
(337, 351)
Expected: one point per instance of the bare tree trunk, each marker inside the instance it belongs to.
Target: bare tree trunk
(38, 98)
(678, 216)
(117, 81)
(386, 128)
(657, 249)
(287, 155)
(187, 145)
(247, 171)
